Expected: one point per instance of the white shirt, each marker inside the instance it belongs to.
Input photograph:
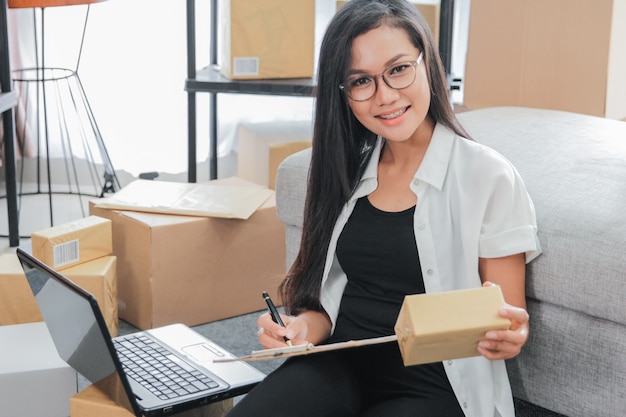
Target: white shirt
(471, 204)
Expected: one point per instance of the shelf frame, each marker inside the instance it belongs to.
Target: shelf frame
(209, 80)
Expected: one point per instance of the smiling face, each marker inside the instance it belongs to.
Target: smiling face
(396, 115)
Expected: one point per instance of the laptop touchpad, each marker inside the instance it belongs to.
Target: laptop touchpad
(203, 352)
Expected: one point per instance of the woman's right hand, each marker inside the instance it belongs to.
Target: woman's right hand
(307, 327)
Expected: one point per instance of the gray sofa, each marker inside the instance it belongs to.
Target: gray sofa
(574, 167)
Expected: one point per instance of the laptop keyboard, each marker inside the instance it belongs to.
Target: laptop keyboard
(158, 370)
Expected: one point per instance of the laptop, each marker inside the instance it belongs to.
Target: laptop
(162, 371)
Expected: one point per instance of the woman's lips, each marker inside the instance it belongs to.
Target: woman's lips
(395, 114)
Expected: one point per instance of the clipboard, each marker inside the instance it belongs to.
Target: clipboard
(307, 349)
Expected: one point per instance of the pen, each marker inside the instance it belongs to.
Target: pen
(274, 313)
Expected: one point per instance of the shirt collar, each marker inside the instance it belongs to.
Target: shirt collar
(369, 179)
(434, 166)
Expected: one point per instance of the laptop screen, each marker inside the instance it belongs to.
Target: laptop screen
(72, 324)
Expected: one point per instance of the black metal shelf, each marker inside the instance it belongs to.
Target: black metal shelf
(209, 80)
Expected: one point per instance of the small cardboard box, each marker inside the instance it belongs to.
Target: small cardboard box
(267, 39)
(17, 303)
(263, 146)
(534, 53)
(105, 399)
(430, 10)
(99, 277)
(74, 242)
(34, 380)
(194, 270)
(448, 325)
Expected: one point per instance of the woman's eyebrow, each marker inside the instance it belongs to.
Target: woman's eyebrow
(389, 62)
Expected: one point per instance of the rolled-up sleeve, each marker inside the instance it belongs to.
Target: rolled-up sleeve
(509, 225)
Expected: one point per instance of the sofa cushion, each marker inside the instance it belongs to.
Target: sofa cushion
(573, 363)
(574, 167)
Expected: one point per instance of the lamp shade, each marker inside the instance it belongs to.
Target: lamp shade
(22, 4)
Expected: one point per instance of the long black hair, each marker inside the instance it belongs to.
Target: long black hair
(342, 146)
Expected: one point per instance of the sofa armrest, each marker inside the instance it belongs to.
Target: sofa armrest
(291, 183)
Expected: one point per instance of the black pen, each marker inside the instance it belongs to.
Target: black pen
(274, 313)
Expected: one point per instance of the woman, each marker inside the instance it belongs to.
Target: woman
(399, 202)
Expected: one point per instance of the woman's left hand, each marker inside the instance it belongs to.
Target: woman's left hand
(506, 344)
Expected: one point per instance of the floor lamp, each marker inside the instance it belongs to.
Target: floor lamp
(57, 114)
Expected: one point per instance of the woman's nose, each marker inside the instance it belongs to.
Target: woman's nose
(384, 94)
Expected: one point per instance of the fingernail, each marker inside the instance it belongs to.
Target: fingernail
(483, 344)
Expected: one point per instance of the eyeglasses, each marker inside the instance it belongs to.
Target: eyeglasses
(398, 76)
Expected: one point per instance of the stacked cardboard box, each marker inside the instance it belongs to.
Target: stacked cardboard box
(82, 251)
(429, 9)
(99, 277)
(73, 243)
(105, 399)
(189, 269)
(17, 303)
(267, 38)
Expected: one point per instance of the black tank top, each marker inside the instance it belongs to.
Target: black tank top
(378, 253)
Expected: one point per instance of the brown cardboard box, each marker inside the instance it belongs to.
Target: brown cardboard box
(448, 325)
(267, 38)
(278, 152)
(430, 10)
(17, 303)
(193, 270)
(72, 243)
(99, 277)
(105, 399)
(562, 54)
(263, 146)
